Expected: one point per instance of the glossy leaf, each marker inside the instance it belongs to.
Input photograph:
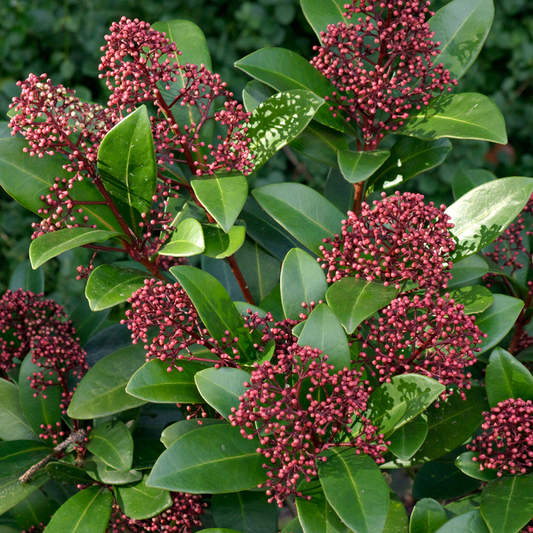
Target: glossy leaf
(154, 383)
(484, 212)
(215, 459)
(452, 423)
(462, 506)
(466, 180)
(112, 442)
(52, 244)
(354, 300)
(457, 116)
(108, 286)
(214, 307)
(13, 425)
(127, 166)
(17, 456)
(221, 387)
(498, 319)
(320, 13)
(428, 515)
(68, 474)
(34, 510)
(408, 158)
(394, 404)
(506, 377)
(279, 120)
(140, 502)
(407, 439)
(461, 27)
(285, 70)
(87, 511)
(187, 240)
(175, 431)
(476, 299)
(103, 473)
(317, 515)
(223, 197)
(107, 341)
(303, 212)
(471, 522)
(359, 166)
(85, 321)
(219, 244)
(24, 277)
(467, 271)
(506, 503)
(338, 191)
(356, 489)
(102, 391)
(256, 93)
(323, 330)
(442, 481)
(396, 517)
(12, 491)
(43, 408)
(247, 512)
(302, 281)
(471, 468)
(293, 526)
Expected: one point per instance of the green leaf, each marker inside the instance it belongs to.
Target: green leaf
(13, 425)
(457, 116)
(219, 244)
(356, 489)
(215, 307)
(354, 300)
(17, 456)
(471, 468)
(302, 281)
(87, 322)
(247, 512)
(303, 212)
(461, 27)
(394, 404)
(498, 320)
(87, 511)
(408, 158)
(24, 277)
(320, 13)
(484, 212)
(471, 522)
(214, 459)
(467, 271)
(146, 452)
(396, 517)
(466, 180)
(12, 491)
(462, 506)
(359, 166)
(44, 407)
(52, 244)
(102, 391)
(112, 442)
(407, 439)
(256, 93)
(452, 423)
(67, 474)
(175, 431)
(108, 286)
(323, 330)
(507, 378)
(506, 503)
(187, 240)
(222, 197)
(222, 387)
(427, 516)
(34, 510)
(279, 120)
(293, 526)
(285, 70)
(476, 299)
(317, 515)
(103, 473)
(442, 481)
(127, 166)
(140, 502)
(154, 382)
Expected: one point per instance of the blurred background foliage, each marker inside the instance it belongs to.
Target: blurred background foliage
(63, 39)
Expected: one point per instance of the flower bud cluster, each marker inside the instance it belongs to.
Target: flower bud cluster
(29, 323)
(382, 65)
(506, 444)
(169, 311)
(426, 335)
(400, 240)
(183, 516)
(299, 407)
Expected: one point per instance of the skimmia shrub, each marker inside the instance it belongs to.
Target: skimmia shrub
(277, 357)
